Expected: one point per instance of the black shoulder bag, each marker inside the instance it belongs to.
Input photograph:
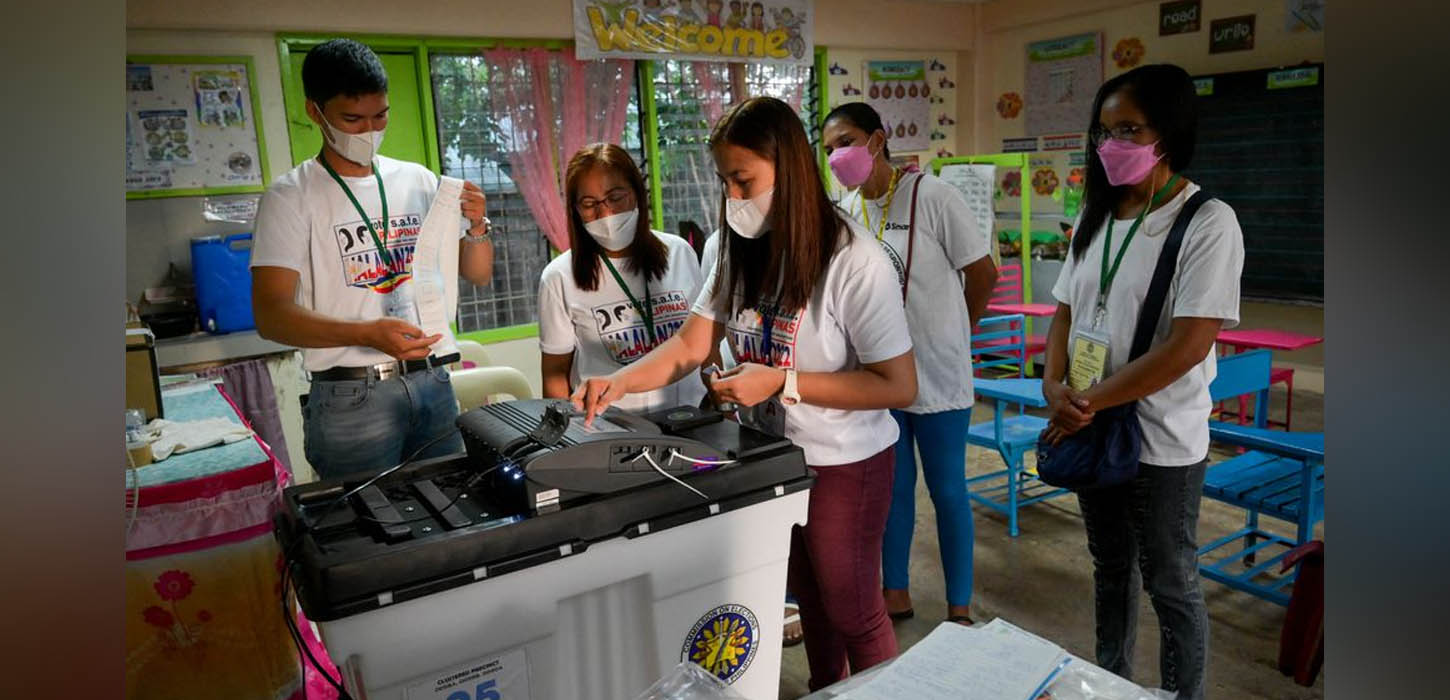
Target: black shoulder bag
(1106, 452)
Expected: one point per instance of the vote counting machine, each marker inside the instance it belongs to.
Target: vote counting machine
(554, 559)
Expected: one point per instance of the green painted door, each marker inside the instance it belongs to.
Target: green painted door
(405, 139)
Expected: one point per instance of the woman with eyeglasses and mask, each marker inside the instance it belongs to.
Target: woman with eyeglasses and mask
(1144, 532)
(620, 290)
(946, 274)
(812, 312)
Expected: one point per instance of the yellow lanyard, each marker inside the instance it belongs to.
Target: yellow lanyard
(886, 210)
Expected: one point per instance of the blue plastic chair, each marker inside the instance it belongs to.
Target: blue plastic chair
(1281, 475)
(1012, 436)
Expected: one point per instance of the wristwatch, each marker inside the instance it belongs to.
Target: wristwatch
(487, 231)
(789, 395)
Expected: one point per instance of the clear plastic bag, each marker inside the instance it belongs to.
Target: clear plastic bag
(1084, 681)
(688, 681)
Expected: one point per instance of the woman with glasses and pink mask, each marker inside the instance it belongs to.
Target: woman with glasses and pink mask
(620, 290)
(945, 274)
(1143, 533)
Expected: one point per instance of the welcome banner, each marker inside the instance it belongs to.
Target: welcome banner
(773, 31)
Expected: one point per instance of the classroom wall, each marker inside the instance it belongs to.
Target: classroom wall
(1005, 27)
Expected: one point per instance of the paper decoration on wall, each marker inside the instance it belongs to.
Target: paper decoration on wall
(1044, 181)
(837, 69)
(1128, 52)
(165, 136)
(1022, 145)
(898, 92)
(1062, 77)
(1063, 142)
(977, 183)
(219, 98)
(946, 84)
(1012, 183)
(937, 66)
(1293, 77)
(849, 89)
(937, 99)
(1304, 15)
(1009, 105)
(138, 79)
(944, 120)
(1231, 34)
(1179, 17)
(937, 135)
(943, 153)
(236, 210)
(657, 30)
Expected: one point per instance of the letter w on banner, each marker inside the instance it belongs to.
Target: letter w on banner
(772, 31)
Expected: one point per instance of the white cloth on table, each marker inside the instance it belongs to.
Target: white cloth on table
(180, 437)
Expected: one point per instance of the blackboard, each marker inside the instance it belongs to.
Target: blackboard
(1261, 150)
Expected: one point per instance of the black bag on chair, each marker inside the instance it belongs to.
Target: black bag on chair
(1106, 452)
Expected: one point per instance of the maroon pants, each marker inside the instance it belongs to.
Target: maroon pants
(835, 569)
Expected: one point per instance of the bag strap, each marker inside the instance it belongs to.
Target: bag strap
(910, 237)
(1163, 276)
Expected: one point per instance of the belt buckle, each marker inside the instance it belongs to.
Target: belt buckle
(388, 370)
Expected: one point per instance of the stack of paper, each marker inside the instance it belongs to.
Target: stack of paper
(994, 662)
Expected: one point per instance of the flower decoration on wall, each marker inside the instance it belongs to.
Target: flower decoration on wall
(1012, 184)
(1128, 52)
(1044, 181)
(1009, 105)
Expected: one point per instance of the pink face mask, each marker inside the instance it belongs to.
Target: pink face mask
(852, 165)
(1127, 163)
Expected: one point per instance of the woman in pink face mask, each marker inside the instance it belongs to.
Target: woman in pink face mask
(1144, 532)
(946, 275)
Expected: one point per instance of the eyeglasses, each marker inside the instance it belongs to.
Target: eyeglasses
(617, 199)
(1124, 132)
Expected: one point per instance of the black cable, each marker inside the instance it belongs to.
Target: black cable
(296, 634)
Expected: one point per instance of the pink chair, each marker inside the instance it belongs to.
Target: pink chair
(1009, 291)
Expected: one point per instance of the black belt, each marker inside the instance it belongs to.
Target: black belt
(384, 370)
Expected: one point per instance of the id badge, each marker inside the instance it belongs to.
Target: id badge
(1089, 359)
(399, 304)
(769, 416)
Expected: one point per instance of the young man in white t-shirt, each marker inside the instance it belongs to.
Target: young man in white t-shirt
(332, 270)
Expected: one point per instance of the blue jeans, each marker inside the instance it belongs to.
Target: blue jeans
(1145, 533)
(358, 425)
(942, 439)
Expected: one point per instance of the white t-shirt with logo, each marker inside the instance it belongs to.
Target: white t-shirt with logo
(306, 223)
(854, 317)
(1206, 285)
(604, 330)
(947, 240)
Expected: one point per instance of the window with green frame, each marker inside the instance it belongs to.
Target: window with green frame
(457, 137)
(689, 188)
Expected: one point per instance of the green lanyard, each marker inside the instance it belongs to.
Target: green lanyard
(382, 194)
(646, 310)
(1110, 273)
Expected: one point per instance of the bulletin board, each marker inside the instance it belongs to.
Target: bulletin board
(193, 127)
(1063, 76)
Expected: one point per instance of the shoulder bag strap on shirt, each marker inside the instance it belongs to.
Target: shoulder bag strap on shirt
(910, 237)
(1163, 276)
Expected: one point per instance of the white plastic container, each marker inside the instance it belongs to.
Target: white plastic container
(605, 623)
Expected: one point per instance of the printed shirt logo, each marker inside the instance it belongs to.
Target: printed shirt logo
(362, 267)
(896, 263)
(724, 642)
(747, 337)
(622, 330)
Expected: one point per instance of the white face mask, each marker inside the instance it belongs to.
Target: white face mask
(747, 216)
(358, 148)
(614, 232)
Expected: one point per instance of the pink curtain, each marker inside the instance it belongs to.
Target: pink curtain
(714, 81)
(550, 105)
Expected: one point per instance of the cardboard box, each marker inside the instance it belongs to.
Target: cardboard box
(143, 377)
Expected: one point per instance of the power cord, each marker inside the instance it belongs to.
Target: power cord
(645, 455)
(304, 654)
